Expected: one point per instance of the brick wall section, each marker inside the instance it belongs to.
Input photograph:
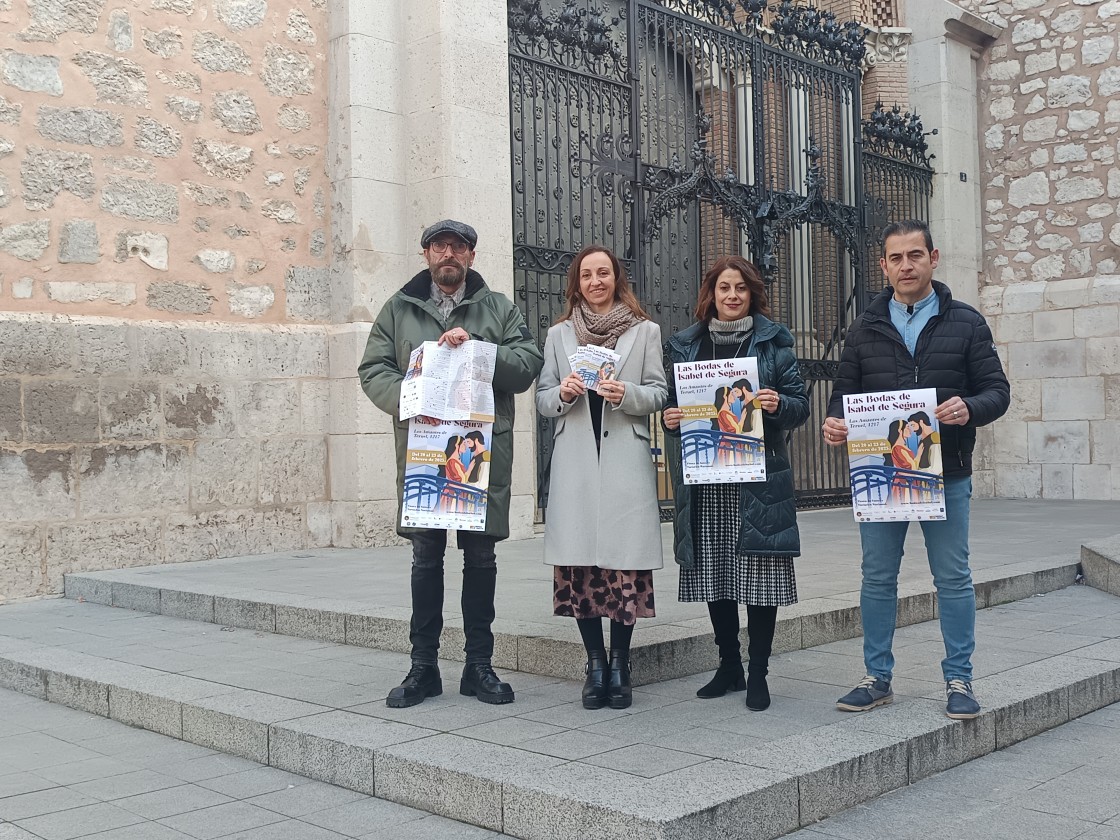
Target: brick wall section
(887, 82)
(164, 381)
(164, 159)
(1050, 116)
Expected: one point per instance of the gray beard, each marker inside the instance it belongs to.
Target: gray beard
(446, 280)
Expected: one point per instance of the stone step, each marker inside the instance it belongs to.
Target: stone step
(671, 766)
(222, 592)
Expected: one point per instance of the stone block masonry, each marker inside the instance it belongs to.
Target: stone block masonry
(1049, 127)
(200, 125)
(129, 443)
(164, 283)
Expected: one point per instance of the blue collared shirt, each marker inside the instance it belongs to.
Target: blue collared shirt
(911, 320)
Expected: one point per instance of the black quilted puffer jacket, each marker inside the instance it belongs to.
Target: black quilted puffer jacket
(767, 509)
(955, 354)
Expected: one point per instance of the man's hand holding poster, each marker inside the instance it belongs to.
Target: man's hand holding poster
(894, 456)
(446, 474)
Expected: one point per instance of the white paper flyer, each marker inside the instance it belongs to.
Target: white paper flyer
(894, 456)
(446, 474)
(451, 383)
(594, 364)
(721, 430)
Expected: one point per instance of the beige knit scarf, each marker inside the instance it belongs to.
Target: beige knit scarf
(602, 330)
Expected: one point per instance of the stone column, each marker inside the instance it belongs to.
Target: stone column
(943, 90)
(414, 138)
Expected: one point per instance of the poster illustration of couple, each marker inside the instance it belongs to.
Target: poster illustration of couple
(721, 427)
(894, 456)
(446, 474)
(594, 365)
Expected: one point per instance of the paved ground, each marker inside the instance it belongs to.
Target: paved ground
(1003, 532)
(673, 728)
(67, 774)
(666, 732)
(1060, 785)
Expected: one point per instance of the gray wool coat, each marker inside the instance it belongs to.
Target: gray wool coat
(602, 508)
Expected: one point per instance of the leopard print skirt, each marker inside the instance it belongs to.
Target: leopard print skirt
(591, 592)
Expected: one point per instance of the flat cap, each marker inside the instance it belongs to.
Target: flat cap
(460, 229)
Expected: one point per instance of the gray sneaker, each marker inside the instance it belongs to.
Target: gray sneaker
(962, 703)
(868, 693)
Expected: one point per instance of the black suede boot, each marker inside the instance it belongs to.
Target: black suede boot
(758, 692)
(761, 622)
(595, 686)
(728, 677)
(619, 692)
(725, 625)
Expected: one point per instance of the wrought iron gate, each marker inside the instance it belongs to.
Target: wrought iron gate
(677, 131)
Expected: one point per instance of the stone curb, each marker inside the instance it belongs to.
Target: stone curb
(661, 652)
(767, 791)
(1100, 563)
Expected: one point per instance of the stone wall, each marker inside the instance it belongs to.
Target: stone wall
(164, 291)
(1049, 122)
(164, 159)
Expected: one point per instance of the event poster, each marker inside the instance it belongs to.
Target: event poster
(594, 364)
(721, 428)
(894, 456)
(452, 383)
(447, 471)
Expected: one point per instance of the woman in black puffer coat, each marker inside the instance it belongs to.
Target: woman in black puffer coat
(735, 543)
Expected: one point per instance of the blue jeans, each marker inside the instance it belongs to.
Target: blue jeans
(947, 547)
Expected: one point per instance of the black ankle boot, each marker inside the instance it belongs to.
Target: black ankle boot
(619, 691)
(728, 677)
(422, 682)
(595, 686)
(758, 693)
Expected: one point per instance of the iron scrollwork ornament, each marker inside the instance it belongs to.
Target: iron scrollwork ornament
(782, 211)
(800, 29)
(738, 15)
(675, 188)
(897, 134)
(818, 34)
(570, 36)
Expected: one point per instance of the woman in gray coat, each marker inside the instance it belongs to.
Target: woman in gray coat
(735, 543)
(602, 530)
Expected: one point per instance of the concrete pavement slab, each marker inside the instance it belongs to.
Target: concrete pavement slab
(500, 785)
(1015, 553)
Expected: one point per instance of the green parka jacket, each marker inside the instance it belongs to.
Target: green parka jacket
(408, 319)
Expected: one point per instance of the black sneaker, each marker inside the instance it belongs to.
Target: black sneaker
(868, 693)
(962, 703)
(423, 681)
(480, 681)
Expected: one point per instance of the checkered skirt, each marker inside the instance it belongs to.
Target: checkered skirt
(720, 573)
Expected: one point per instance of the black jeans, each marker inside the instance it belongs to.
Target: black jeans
(479, 577)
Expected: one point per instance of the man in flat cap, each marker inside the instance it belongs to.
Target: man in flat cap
(450, 303)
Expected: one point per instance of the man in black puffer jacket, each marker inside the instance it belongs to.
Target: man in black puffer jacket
(914, 335)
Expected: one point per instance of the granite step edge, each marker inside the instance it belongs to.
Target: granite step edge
(661, 652)
(790, 782)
